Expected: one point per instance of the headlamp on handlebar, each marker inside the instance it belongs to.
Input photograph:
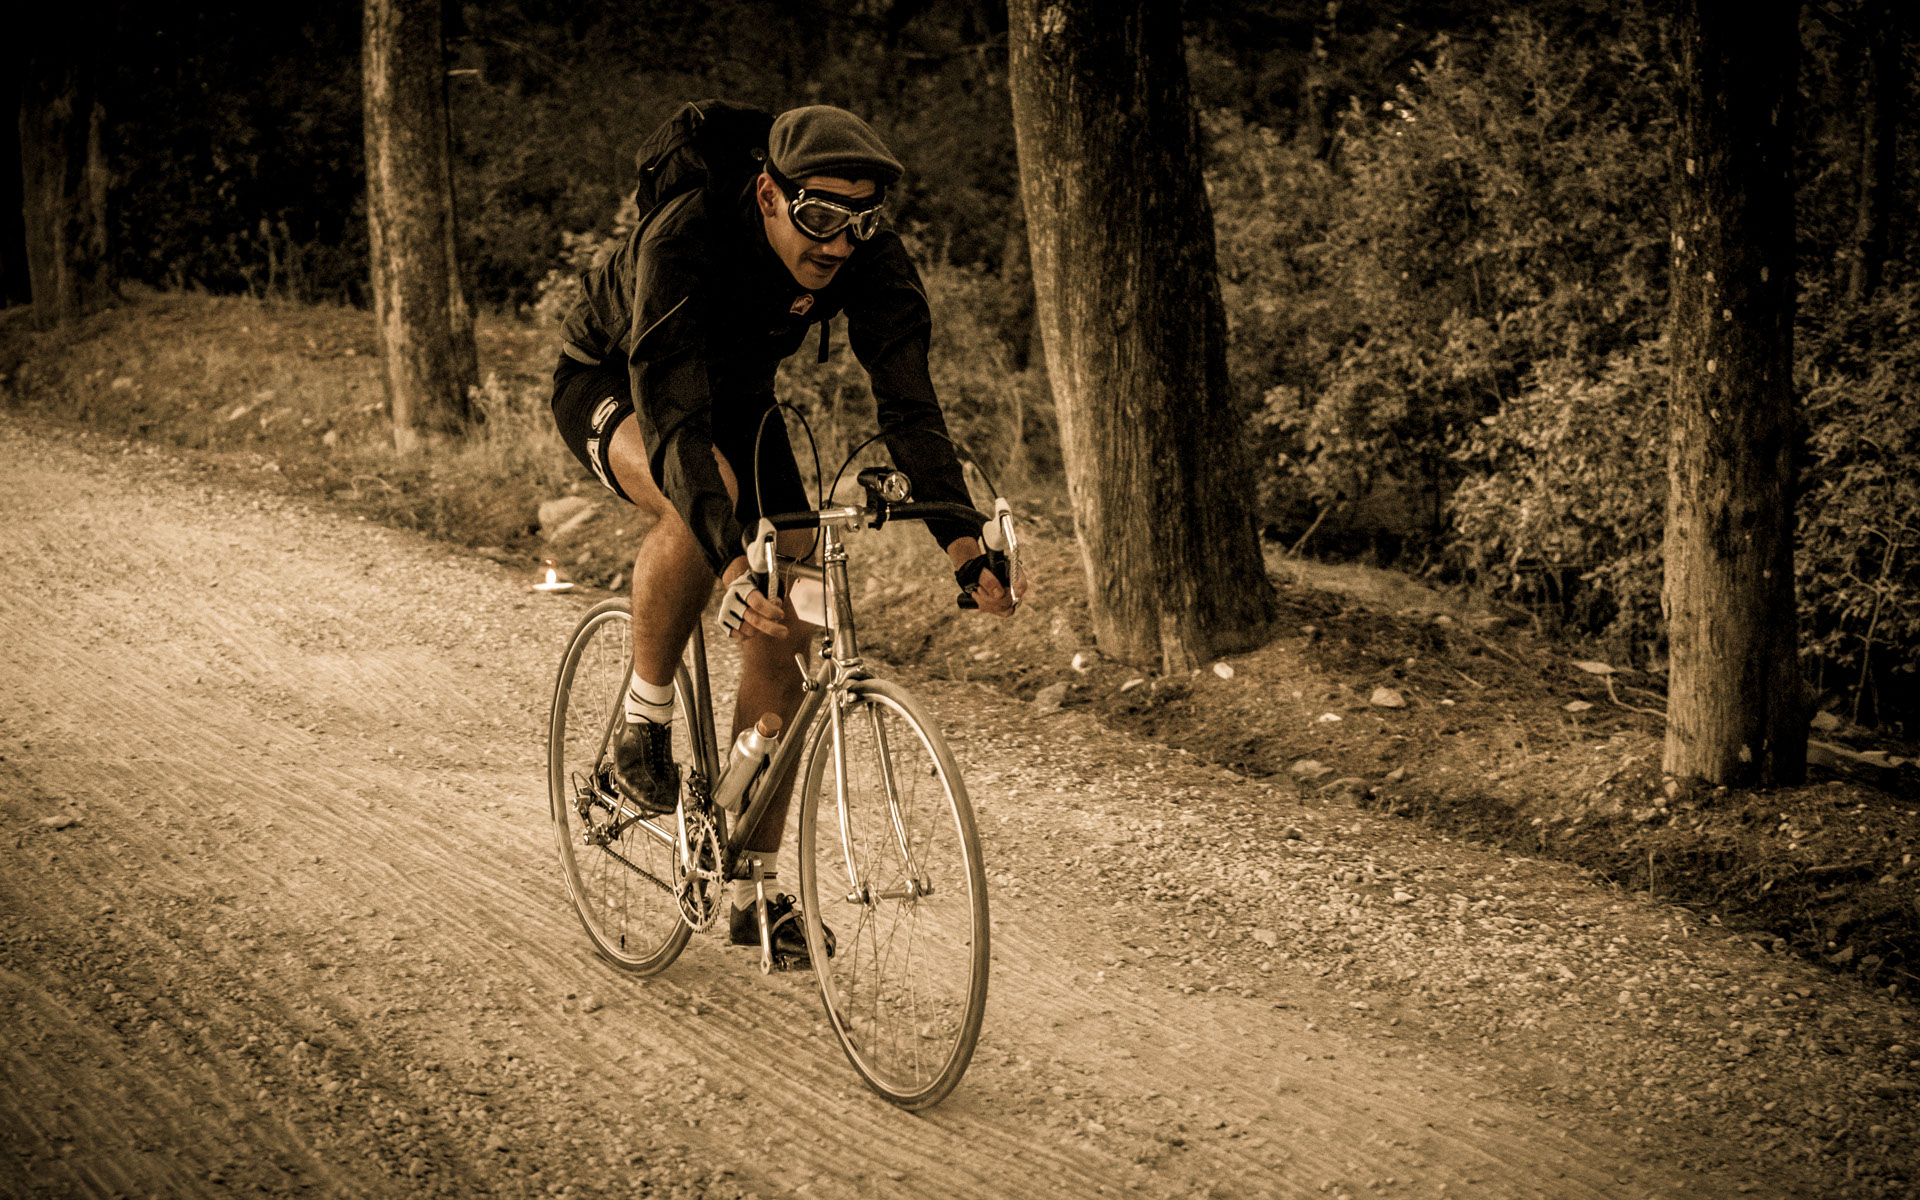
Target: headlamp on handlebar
(884, 486)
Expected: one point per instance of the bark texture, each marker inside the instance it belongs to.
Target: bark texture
(425, 324)
(1880, 92)
(1734, 710)
(1128, 305)
(63, 184)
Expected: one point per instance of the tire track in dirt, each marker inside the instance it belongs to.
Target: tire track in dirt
(305, 758)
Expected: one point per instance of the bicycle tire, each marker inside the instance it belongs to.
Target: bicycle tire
(622, 887)
(906, 987)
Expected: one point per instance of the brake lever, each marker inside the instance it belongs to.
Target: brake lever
(997, 540)
(761, 561)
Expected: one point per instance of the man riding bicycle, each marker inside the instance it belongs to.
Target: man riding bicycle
(668, 368)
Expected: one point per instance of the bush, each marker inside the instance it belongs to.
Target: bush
(1858, 563)
(1271, 203)
(1567, 504)
(557, 290)
(1501, 218)
(1483, 304)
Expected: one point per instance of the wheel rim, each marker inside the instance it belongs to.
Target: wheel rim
(620, 885)
(904, 987)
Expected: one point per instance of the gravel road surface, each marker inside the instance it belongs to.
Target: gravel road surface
(280, 912)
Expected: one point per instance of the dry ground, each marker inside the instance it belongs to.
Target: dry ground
(280, 913)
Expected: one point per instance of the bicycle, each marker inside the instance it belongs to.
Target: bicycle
(892, 866)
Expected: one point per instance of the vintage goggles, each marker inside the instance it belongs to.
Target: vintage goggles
(824, 216)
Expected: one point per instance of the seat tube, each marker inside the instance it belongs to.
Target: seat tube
(702, 716)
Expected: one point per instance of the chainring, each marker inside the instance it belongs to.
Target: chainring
(697, 882)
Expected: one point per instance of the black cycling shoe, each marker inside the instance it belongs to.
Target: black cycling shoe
(785, 924)
(643, 766)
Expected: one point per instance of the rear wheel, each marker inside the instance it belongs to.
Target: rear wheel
(619, 867)
(890, 861)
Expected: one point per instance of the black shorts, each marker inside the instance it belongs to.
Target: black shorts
(589, 402)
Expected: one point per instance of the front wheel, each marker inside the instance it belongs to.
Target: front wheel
(619, 867)
(890, 862)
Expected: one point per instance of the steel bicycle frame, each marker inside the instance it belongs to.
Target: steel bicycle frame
(840, 666)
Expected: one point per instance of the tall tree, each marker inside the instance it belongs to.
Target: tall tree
(1127, 297)
(15, 287)
(1734, 710)
(63, 176)
(425, 324)
(1879, 103)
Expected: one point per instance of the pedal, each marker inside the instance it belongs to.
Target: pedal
(600, 788)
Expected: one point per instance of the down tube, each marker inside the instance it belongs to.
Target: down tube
(783, 760)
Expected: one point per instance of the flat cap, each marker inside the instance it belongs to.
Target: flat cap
(823, 140)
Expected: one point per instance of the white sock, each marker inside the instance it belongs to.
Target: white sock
(649, 701)
(741, 891)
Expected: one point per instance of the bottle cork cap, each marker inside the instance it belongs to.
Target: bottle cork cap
(768, 725)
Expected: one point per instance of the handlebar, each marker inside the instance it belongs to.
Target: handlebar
(878, 514)
(996, 535)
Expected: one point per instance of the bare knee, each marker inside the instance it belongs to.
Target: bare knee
(627, 455)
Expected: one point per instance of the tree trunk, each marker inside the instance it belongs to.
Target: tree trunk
(63, 184)
(1734, 711)
(1879, 96)
(1311, 133)
(1128, 304)
(15, 286)
(425, 325)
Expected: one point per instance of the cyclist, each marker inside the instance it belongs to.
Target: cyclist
(668, 367)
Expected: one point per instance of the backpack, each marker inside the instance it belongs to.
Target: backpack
(708, 143)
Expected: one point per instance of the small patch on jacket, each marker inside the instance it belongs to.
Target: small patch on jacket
(802, 304)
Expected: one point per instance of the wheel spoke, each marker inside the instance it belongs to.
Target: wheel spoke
(908, 985)
(619, 865)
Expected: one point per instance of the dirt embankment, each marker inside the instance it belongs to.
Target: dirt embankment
(1413, 704)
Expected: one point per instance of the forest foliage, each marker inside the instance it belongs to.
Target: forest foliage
(1442, 231)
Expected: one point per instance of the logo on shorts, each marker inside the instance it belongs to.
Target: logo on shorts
(603, 412)
(599, 468)
(802, 304)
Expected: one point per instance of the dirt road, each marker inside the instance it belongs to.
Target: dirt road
(280, 913)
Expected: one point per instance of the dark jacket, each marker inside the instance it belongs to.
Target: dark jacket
(702, 311)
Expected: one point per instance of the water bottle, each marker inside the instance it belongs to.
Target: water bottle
(750, 753)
